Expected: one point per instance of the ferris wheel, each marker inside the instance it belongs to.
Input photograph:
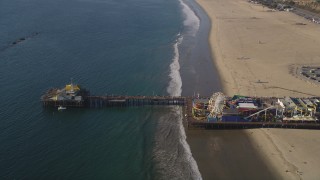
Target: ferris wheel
(216, 104)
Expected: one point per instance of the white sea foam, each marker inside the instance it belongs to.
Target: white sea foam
(191, 23)
(175, 84)
(191, 20)
(171, 153)
(175, 89)
(195, 174)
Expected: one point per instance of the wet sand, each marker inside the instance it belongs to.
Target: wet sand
(256, 52)
(198, 73)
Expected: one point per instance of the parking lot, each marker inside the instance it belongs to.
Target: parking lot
(311, 73)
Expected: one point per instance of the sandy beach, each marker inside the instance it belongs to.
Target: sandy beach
(257, 53)
(256, 153)
(252, 44)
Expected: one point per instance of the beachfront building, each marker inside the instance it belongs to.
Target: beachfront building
(71, 95)
(299, 107)
(70, 92)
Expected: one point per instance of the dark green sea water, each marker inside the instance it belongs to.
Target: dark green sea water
(110, 47)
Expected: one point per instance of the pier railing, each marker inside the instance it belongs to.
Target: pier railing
(123, 101)
(109, 101)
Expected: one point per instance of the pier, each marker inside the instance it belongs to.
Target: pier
(125, 101)
(76, 97)
(116, 101)
(215, 112)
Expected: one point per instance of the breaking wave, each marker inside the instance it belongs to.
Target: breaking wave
(172, 154)
(191, 20)
(175, 84)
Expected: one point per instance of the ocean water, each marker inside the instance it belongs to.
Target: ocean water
(129, 47)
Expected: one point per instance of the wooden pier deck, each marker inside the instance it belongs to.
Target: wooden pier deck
(125, 101)
(186, 102)
(122, 101)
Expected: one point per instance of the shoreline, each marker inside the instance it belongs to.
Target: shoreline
(247, 42)
(198, 72)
